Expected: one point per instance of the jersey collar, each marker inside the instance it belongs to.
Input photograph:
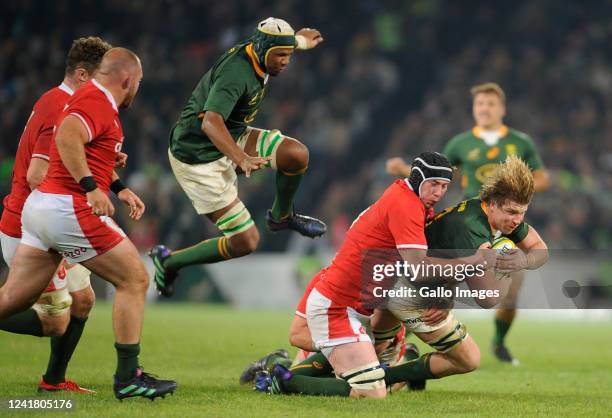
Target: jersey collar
(485, 209)
(255, 62)
(64, 87)
(503, 131)
(108, 94)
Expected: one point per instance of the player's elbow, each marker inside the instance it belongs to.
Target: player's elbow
(209, 121)
(34, 179)
(541, 181)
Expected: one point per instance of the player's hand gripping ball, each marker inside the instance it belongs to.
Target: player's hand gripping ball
(502, 246)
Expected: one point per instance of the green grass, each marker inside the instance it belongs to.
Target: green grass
(566, 369)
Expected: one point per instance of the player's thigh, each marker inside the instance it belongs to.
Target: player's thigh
(9, 246)
(299, 334)
(211, 187)
(121, 265)
(30, 273)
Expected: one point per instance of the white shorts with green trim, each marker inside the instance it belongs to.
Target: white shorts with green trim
(213, 186)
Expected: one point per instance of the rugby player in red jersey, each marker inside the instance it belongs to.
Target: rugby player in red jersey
(63, 308)
(69, 215)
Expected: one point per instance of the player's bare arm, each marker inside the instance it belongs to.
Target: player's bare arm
(541, 180)
(532, 253)
(299, 334)
(36, 172)
(70, 139)
(397, 167)
(214, 127)
(419, 257)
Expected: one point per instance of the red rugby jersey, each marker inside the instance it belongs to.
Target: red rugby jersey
(395, 221)
(95, 107)
(34, 143)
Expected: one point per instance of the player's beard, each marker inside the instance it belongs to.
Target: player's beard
(127, 102)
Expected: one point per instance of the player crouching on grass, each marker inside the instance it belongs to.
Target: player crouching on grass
(336, 316)
(390, 346)
(472, 224)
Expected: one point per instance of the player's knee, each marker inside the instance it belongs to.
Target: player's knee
(244, 243)
(136, 281)
(293, 157)
(82, 302)
(471, 361)
(367, 381)
(54, 326)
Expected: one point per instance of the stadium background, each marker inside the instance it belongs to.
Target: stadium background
(392, 78)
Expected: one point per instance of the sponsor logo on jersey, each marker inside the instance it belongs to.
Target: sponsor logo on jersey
(511, 149)
(485, 171)
(493, 152)
(474, 154)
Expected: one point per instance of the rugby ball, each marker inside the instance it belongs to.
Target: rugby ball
(502, 245)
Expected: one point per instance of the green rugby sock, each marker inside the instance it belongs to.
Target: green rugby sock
(26, 322)
(501, 329)
(413, 370)
(286, 187)
(316, 386)
(210, 251)
(127, 360)
(62, 349)
(315, 365)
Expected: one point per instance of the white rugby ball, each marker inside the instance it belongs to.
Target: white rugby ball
(502, 245)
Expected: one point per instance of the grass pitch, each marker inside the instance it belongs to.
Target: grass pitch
(566, 370)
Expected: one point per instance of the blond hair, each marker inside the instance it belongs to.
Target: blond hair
(489, 88)
(511, 181)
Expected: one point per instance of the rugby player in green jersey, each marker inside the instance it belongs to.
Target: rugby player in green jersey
(213, 140)
(470, 225)
(476, 152)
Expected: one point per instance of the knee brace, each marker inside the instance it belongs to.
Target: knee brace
(367, 377)
(54, 303)
(234, 221)
(451, 339)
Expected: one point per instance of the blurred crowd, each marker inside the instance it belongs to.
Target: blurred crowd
(391, 79)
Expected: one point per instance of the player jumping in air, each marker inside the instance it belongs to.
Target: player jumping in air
(213, 139)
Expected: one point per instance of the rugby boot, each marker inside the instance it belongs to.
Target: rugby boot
(264, 363)
(164, 279)
(502, 353)
(305, 225)
(65, 386)
(144, 385)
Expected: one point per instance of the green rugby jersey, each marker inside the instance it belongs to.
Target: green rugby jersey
(464, 227)
(234, 87)
(476, 159)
